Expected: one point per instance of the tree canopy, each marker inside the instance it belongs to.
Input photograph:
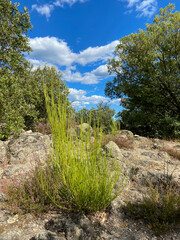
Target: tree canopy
(102, 116)
(22, 100)
(14, 27)
(147, 68)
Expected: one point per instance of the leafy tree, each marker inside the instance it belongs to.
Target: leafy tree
(100, 116)
(14, 27)
(53, 79)
(22, 99)
(147, 79)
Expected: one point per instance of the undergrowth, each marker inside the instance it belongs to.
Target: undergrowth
(78, 177)
(120, 141)
(160, 208)
(172, 152)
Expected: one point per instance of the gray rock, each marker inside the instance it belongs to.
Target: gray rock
(3, 152)
(126, 133)
(113, 150)
(85, 128)
(46, 235)
(28, 147)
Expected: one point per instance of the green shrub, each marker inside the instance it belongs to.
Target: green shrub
(78, 176)
(160, 208)
(87, 176)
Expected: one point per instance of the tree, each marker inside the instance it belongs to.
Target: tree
(22, 100)
(100, 116)
(14, 27)
(53, 80)
(147, 68)
(14, 68)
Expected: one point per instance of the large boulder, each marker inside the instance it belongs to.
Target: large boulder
(113, 150)
(28, 147)
(126, 134)
(19, 155)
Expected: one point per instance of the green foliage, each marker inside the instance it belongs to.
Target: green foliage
(160, 208)
(84, 178)
(46, 75)
(148, 77)
(77, 177)
(101, 116)
(22, 100)
(14, 27)
(13, 105)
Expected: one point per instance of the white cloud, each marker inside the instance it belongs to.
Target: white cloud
(36, 63)
(145, 8)
(44, 9)
(58, 52)
(61, 3)
(81, 100)
(52, 50)
(92, 77)
(92, 54)
(48, 8)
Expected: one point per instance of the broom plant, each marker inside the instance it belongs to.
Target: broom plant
(84, 176)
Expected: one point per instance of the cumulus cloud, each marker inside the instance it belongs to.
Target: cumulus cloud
(48, 8)
(92, 54)
(145, 8)
(52, 49)
(58, 52)
(92, 77)
(81, 99)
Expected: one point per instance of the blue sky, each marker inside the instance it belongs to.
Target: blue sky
(78, 36)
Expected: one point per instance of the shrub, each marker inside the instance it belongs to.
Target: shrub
(28, 195)
(87, 177)
(43, 127)
(160, 208)
(172, 152)
(121, 142)
(78, 176)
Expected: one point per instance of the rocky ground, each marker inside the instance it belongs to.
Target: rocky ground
(144, 163)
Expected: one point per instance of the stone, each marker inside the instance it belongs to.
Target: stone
(113, 150)
(85, 128)
(46, 235)
(3, 152)
(29, 146)
(126, 133)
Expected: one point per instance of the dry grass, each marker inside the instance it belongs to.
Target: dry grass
(160, 208)
(120, 141)
(43, 128)
(172, 152)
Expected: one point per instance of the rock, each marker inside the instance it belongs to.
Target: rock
(150, 154)
(113, 150)
(3, 152)
(142, 166)
(85, 128)
(157, 143)
(141, 142)
(29, 146)
(126, 133)
(46, 235)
